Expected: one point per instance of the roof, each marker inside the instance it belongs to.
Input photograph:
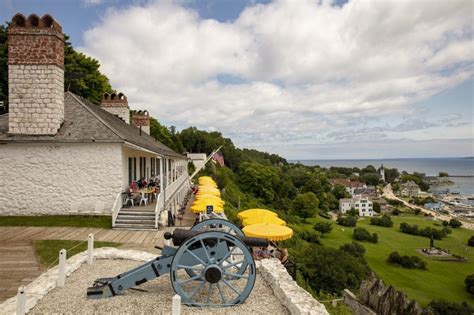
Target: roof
(85, 122)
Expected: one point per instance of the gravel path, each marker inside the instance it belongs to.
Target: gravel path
(72, 298)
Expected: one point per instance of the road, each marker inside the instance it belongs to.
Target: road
(388, 193)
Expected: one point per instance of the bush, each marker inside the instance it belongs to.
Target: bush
(323, 227)
(310, 236)
(385, 220)
(470, 241)
(324, 215)
(426, 232)
(441, 307)
(409, 262)
(355, 249)
(376, 207)
(396, 211)
(454, 223)
(469, 282)
(394, 202)
(361, 234)
(347, 221)
(445, 223)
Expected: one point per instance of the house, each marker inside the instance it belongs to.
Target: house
(369, 191)
(61, 154)
(409, 189)
(198, 159)
(435, 206)
(350, 186)
(360, 203)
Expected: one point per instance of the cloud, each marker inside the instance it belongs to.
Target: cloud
(287, 71)
(91, 3)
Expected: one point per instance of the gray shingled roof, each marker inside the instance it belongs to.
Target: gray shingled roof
(86, 122)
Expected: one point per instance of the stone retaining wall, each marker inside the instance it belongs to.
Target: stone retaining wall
(293, 297)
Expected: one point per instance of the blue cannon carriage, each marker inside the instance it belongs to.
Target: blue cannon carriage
(209, 265)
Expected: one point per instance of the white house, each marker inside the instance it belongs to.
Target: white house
(198, 159)
(360, 203)
(61, 154)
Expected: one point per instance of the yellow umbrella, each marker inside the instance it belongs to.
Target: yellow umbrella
(214, 193)
(269, 231)
(209, 201)
(203, 208)
(255, 212)
(263, 219)
(207, 196)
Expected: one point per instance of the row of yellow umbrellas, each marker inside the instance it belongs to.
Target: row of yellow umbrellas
(265, 224)
(208, 195)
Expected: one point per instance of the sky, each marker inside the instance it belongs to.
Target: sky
(306, 79)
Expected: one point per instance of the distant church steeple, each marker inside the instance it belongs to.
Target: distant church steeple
(382, 173)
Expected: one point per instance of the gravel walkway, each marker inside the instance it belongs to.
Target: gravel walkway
(72, 298)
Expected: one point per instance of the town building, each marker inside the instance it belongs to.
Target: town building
(362, 204)
(198, 159)
(409, 189)
(369, 191)
(350, 186)
(61, 154)
(435, 206)
(382, 173)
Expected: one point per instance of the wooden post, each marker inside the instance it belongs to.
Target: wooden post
(90, 249)
(62, 268)
(21, 301)
(176, 306)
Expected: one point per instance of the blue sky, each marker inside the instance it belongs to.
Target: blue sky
(307, 79)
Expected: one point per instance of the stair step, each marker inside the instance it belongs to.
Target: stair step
(135, 227)
(134, 222)
(146, 216)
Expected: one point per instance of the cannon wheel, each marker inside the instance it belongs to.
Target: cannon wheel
(214, 283)
(213, 224)
(222, 226)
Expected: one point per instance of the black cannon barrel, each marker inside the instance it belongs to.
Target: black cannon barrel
(179, 236)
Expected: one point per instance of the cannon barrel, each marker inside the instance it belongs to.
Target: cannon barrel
(181, 235)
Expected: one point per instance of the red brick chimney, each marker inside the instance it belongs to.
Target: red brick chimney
(35, 75)
(117, 104)
(141, 119)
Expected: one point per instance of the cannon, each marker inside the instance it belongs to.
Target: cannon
(209, 265)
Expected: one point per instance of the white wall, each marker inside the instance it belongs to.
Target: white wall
(128, 152)
(60, 178)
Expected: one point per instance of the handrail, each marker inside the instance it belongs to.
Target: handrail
(157, 209)
(170, 192)
(116, 208)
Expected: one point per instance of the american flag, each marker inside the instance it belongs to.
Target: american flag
(219, 158)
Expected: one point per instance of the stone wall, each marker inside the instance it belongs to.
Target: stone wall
(386, 300)
(355, 305)
(291, 295)
(36, 99)
(59, 179)
(122, 112)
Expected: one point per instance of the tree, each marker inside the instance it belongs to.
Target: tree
(305, 205)
(391, 174)
(349, 221)
(441, 307)
(443, 174)
(259, 180)
(361, 234)
(470, 242)
(331, 270)
(340, 191)
(469, 282)
(323, 227)
(163, 134)
(454, 223)
(82, 75)
(385, 220)
(355, 249)
(372, 179)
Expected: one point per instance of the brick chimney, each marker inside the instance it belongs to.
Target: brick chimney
(140, 118)
(35, 75)
(117, 104)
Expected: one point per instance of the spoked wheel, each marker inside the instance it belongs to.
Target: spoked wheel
(220, 225)
(216, 280)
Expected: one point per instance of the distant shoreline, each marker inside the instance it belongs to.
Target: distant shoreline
(387, 159)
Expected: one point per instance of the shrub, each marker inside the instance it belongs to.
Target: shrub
(361, 234)
(310, 236)
(426, 232)
(353, 212)
(385, 220)
(394, 202)
(396, 211)
(441, 307)
(324, 215)
(470, 242)
(409, 262)
(469, 282)
(445, 223)
(347, 221)
(355, 249)
(454, 223)
(376, 207)
(323, 227)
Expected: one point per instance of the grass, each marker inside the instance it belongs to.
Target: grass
(48, 250)
(103, 222)
(442, 280)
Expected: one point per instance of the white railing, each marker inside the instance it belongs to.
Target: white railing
(170, 191)
(116, 208)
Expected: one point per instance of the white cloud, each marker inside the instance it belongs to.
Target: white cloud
(92, 2)
(304, 69)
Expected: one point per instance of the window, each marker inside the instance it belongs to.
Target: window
(130, 170)
(134, 168)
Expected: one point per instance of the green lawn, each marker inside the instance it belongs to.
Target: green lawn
(104, 222)
(442, 280)
(48, 250)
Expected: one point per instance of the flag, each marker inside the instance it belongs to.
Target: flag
(219, 158)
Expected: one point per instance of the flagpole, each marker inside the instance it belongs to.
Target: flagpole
(207, 160)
